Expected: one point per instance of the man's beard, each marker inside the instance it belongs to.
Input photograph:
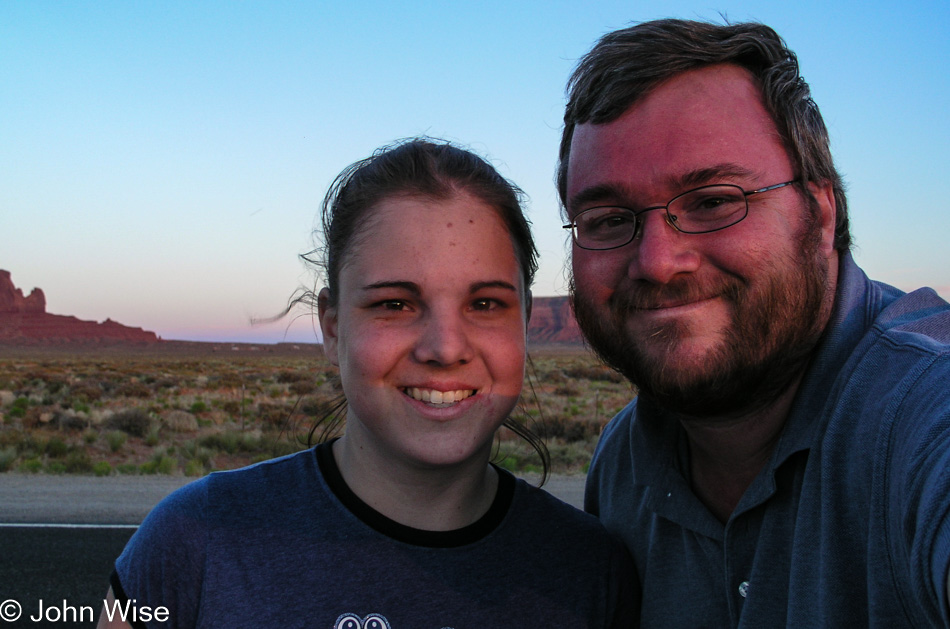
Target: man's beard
(771, 337)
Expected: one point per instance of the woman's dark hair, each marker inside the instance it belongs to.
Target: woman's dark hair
(416, 167)
(623, 66)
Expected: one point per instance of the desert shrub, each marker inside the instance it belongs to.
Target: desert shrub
(230, 381)
(8, 457)
(28, 445)
(10, 437)
(317, 407)
(593, 372)
(198, 407)
(231, 407)
(567, 390)
(134, 422)
(288, 377)
(19, 406)
(303, 387)
(130, 469)
(134, 389)
(160, 463)
(78, 462)
(69, 421)
(283, 447)
(569, 456)
(194, 451)
(116, 439)
(54, 384)
(56, 467)
(90, 437)
(151, 439)
(56, 448)
(180, 421)
(30, 466)
(86, 392)
(231, 442)
(223, 442)
(195, 467)
(102, 468)
(274, 414)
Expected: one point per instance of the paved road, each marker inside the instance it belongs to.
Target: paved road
(59, 536)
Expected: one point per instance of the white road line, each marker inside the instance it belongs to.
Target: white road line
(54, 525)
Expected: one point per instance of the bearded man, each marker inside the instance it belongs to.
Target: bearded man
(787, 459)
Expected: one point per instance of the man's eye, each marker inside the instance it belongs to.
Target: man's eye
(710, 203)
(609, 222)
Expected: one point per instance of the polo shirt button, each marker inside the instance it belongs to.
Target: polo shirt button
(744, 589)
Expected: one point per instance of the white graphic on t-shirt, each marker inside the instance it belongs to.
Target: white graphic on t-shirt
(353, 621)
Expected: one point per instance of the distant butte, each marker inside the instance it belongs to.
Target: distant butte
(552, 322)
(24, 321)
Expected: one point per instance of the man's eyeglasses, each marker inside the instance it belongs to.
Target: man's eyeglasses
(697, 211)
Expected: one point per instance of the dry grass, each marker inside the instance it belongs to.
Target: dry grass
(184, 408)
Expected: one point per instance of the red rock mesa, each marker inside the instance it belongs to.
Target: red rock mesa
(24, 321)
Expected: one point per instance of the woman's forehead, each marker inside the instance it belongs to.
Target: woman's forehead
(420, 235)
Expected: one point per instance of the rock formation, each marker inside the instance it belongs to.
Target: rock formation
(552, 322)
(24, 321)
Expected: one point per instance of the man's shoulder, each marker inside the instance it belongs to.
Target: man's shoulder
(619, 425)
(921, 316)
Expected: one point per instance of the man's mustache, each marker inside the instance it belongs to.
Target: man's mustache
(649, 296)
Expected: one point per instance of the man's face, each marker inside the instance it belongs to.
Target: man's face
(714, 323)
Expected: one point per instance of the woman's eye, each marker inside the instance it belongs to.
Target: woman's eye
(392, 304)
(486, 304)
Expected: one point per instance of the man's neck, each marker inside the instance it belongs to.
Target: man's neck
(727, 453)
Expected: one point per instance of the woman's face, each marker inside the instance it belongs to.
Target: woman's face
(428, 330)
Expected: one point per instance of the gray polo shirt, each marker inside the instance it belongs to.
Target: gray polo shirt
(847, 525)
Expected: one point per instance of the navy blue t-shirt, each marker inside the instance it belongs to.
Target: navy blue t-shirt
(285, 543)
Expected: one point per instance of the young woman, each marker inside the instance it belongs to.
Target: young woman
(401, 523)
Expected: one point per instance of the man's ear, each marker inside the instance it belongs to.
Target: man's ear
(823, 192)
(328, 326)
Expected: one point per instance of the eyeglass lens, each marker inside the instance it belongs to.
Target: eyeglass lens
(705, 209)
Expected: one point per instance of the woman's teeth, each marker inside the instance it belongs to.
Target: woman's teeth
(438, 397)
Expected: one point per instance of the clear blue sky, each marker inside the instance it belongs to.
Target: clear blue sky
(161, 163)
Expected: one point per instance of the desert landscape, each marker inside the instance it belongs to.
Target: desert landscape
(190, 408)
(80, 397)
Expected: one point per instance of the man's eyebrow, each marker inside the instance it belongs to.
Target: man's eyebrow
(621, 193)
(711, 175)
(601, 193)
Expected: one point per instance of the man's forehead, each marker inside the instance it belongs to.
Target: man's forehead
(696, 120)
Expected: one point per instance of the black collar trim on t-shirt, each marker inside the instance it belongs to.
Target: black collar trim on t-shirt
(407, 534)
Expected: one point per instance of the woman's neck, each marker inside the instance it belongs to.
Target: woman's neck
(433, 499)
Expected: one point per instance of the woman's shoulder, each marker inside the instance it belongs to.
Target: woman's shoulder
(257, 488)
(543, 510)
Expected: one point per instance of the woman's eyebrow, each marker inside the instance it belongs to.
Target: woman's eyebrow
(412, 287)
(477, 286)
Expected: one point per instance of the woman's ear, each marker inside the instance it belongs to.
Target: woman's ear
(328, 326)
(528, 301)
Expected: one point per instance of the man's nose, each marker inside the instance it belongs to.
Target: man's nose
(444, 339)
(661, 252)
